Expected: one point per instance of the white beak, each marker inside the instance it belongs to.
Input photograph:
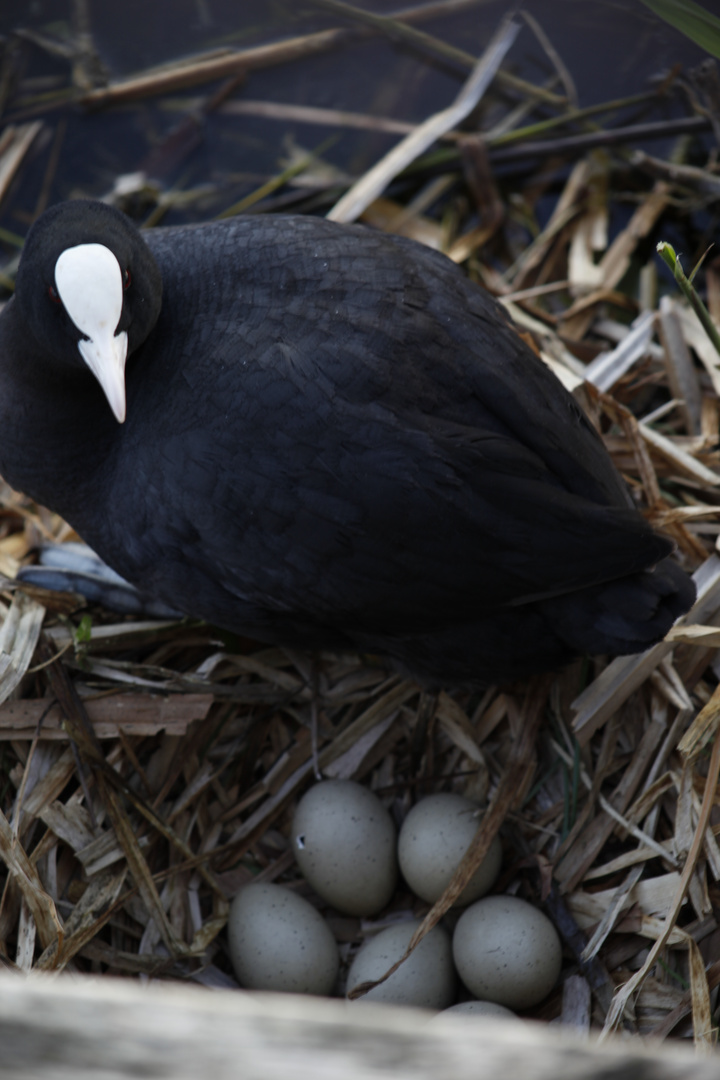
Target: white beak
(90, 284)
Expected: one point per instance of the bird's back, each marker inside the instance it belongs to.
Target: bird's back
(352, 436)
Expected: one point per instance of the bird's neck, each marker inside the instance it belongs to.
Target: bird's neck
(57, 433)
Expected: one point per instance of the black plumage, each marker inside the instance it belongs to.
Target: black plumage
(333, 439)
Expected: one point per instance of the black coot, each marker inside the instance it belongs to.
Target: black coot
(331, 439)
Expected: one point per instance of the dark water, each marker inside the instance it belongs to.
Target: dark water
(611, 49)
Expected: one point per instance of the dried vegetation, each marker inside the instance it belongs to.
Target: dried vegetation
(150, 768)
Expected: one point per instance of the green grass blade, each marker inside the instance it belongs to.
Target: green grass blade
(691, 19)
(667, 253)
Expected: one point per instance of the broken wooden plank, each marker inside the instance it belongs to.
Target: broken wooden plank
(136, 714)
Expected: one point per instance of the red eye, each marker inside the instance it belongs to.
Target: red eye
(126, 279)
(52, 293)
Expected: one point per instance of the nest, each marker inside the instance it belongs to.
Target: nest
(151, 767)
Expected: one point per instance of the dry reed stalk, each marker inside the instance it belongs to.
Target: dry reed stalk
(121, 857)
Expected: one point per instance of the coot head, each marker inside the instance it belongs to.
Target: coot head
(89, 292)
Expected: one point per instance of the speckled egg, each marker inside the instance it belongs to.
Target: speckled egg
(433, 839)
(345, 845)
(426, 979)
(480, 1008)
(507, 951)
(279, 941)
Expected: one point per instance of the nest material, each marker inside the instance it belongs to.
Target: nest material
(151, 768)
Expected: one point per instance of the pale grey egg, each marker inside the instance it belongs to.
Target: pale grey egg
(345, 845)
(507, 951)
(426, 979)
(479, 1008)
(433, 839)
(279, 941)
